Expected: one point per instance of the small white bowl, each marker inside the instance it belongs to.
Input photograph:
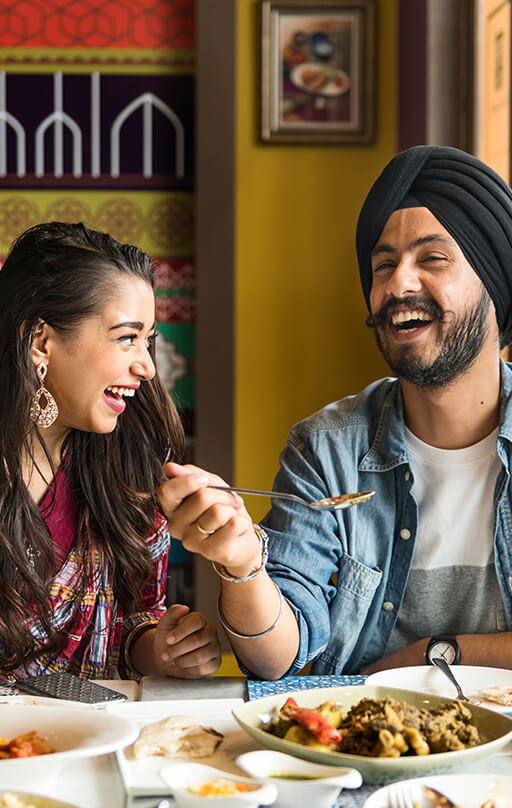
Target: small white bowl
(181, 776)
(297, 788)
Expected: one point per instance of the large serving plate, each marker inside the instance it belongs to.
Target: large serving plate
(430, 679)
(496, 728)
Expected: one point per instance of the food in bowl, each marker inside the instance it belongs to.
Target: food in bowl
(11, 799)
(314, 77)
(186, 779)
(377, 727)
(219, 788)
(299, 782)
(176, 735)
(28, 744)
(8, 800)
(295, 776)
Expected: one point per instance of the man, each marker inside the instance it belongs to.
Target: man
(425, 567)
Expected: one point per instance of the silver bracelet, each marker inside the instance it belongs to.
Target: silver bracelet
(221, 570)
(228, 628)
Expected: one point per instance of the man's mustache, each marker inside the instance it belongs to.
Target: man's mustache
(383, 316)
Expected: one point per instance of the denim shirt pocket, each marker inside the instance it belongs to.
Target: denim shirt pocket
(357, 584)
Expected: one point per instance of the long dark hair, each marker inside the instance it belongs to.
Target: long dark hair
(61, 274)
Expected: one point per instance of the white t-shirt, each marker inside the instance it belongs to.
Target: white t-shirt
(452, 586)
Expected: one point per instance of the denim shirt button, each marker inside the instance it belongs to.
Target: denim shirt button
(387, 606)
(407, 476)
(405, 533)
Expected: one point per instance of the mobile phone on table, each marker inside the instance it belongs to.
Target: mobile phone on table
(64, 685)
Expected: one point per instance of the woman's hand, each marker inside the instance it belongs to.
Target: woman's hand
(207, 521)
(185, 644)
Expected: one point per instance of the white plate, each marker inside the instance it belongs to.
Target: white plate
(72, 732)
(336, 85)
(430, 679)
(142, 777)
(469, 790)
(496, 728)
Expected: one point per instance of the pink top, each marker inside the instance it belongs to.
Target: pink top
(82, 603)
(60, 516)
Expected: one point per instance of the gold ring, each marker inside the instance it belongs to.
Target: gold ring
(202, 530)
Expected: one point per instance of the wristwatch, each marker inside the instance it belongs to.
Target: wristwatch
(445, 647)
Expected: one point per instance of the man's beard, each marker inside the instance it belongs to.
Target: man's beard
(459, 345)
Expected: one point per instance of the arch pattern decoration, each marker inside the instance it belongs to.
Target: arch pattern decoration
(96, 124)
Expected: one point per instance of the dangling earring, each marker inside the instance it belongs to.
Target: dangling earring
(44, 408)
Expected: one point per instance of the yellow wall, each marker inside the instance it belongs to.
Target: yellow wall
(300, 337)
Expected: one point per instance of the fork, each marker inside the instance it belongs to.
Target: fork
(328, 503)
(405, 795)
(445, 668)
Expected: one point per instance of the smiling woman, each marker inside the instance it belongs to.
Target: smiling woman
(107, 357)
(85, 428)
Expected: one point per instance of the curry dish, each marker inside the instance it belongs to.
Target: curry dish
(377, 727)
(28, 744)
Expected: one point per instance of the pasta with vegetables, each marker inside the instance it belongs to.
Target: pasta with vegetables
(377, 727)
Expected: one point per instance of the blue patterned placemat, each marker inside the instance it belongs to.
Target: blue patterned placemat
(355, 797)
(257, 689)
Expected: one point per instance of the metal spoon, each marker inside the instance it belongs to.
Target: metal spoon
(443, 666)
(435, 799)
(326, 504)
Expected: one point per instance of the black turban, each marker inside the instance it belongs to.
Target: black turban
(471, 201)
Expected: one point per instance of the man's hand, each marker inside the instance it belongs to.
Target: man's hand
(185, 644)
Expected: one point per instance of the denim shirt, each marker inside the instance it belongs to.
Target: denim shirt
(344, 573)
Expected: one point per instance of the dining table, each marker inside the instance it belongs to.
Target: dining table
(96, 782)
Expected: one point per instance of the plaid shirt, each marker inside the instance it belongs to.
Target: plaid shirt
(94, 622)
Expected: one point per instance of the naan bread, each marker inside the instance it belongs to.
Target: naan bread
(176, 736)
(500, 694)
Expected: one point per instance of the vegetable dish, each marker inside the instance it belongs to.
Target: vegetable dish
(28, 744)
(377, 727)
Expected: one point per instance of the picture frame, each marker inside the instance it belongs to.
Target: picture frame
(318, 65)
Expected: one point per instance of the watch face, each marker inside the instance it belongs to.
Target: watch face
(443, 649)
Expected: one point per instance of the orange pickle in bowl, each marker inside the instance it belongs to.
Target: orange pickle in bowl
(219, 788)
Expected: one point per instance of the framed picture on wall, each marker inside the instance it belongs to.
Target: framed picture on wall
(318, 71)
(493, 110)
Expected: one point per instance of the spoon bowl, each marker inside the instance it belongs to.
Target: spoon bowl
(337, 503)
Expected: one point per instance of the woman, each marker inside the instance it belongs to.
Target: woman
(86, 426)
